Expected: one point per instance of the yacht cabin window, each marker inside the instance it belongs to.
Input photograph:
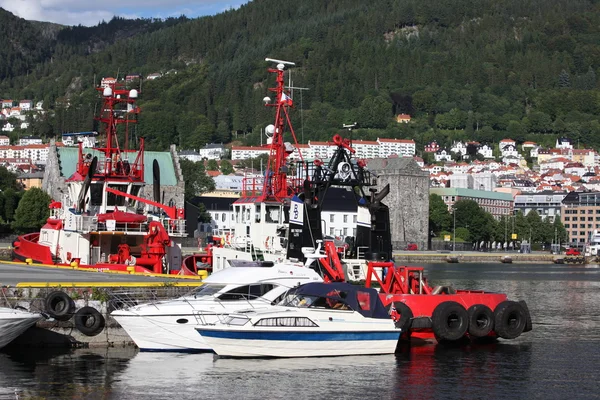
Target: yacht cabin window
(248, 292)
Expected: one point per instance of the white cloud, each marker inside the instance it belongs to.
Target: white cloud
(86, 12)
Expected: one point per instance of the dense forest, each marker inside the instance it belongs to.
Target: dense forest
(471, 70)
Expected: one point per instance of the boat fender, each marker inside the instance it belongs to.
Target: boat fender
(450, 321)
(528, 324)
(59, 305)
(402, 315)
(509, 319)
(481, 320)
(89, 321)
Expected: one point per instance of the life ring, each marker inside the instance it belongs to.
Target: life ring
(89, 321)
(59, 305)
(228, 239)
(481, 320)
(267, 242)
(402, 316)
(509, 319)
(450, 321)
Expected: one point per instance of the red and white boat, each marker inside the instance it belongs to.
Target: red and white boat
(102, 222)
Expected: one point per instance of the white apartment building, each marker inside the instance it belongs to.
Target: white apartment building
(4, 141)
(366, 148)
(486, 151)
(245, 152)
(36, 153)
(88, 139)
(442, 155)
(401, 147)
(212, 151)
(29, 140)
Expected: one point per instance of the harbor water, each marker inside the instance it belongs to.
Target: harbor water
(558, 359)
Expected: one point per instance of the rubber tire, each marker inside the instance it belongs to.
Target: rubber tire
(89, 321)
(59, 305)
(509, 319)
(450, 321)
(406, 316)
(529, 323)
(481, 320)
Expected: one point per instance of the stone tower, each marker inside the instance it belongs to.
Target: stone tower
(408, 199)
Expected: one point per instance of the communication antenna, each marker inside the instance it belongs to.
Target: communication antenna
(279, 61)
(350, 127)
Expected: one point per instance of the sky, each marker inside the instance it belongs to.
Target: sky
(91, 12)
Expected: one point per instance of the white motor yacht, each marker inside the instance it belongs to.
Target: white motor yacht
(169, 325)
(13, 322)
(316, 319)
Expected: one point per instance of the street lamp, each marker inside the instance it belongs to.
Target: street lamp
(454, 231)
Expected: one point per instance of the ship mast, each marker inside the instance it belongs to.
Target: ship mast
(276, 186)
(118, 108)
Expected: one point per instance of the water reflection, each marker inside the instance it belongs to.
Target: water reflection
(558, 359)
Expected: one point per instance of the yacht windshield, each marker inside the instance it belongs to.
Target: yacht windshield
(208, 289)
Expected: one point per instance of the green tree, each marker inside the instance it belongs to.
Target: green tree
(8, 180)
(32, 211)
(226, 167)
(480, 224)
(212, 165)
(11, 201)
(196, 180)
(439, 216)
(563, 79)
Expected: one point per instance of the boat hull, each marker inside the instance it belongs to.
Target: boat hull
(287, 344)
(162, 332)
(13, 323)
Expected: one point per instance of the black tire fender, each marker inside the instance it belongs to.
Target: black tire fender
(529, 323)
(59, 305)
(481, 320)
(509, 319)
(450, 321)
(89, 321)
(406, 315)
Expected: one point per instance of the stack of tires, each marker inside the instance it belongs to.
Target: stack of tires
(451, 322)
(61, 307)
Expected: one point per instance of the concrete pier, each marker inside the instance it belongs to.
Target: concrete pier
(29, 287)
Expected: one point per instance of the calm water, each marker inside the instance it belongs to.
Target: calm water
(559, 359)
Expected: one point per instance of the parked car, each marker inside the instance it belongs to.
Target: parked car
(572, 252)
(412, 247)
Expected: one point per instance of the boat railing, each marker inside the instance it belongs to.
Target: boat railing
(175, 227)
(127, 298)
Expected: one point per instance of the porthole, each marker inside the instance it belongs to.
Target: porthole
(182, 321)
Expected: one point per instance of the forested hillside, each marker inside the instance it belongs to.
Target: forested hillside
(465, 69)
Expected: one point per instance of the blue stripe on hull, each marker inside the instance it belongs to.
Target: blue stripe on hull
(301, 336)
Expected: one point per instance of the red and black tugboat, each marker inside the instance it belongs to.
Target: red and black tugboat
(103, 223)
(422, 311)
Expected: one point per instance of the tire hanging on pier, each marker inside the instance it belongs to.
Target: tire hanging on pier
(450, 321)
(510, 319)
(89, 321)
(481, 320)
(59, 305)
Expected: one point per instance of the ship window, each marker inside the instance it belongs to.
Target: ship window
(247, 292)
(237, 321)
(286, 321)
(113, 199)
(207, 289)
(272, 214)
(96, 190)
